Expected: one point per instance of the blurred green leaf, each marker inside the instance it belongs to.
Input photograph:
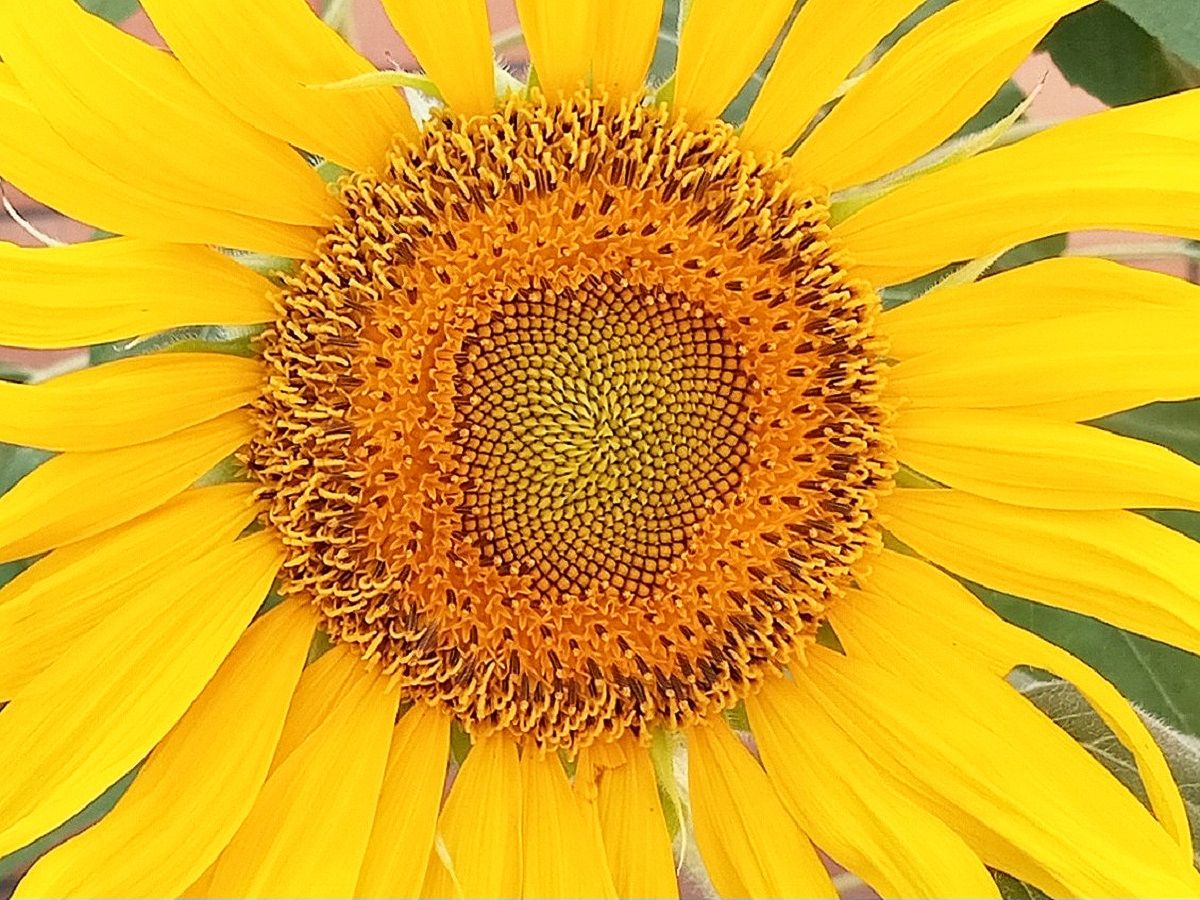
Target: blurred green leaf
(113, 10)
(1043, 248)
(1174, 425)
(190, 338)
(1007, 99)
(1174, 22)
(915, 18)
(666, 51)
(1012, 889)
(13, 866)
(1105, 52)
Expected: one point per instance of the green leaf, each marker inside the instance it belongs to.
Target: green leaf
(915, 18)
(15, 463)
(114, 10)
(1043, 248)
(1174, 22)
(191, 338)
(1105, 52)
(1013, 889)
(666, 51)
(1174, 425)
(1007, 99)
(17, 863)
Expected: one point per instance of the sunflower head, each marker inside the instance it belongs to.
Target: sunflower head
(573, 421)
(574, 424)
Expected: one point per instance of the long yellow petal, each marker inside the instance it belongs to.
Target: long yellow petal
(1073, 368)
(402, 834)
(199, 782)
(1048, 289)
(39, 161)
(560, 37)
(77, 495)
(135, 113)
(37, 627)
(563, 855)
(98, 710)
(307, 832)
(626, 32)
(1135, 168)
(479, 831)
(971, 750)
(750, 844)
(907, 593)
(923, 90)
(828, 38)
(619, 780)
(259, 59)
(838, 797)
(452, 40)
(713, 68)
(1031, 461)
(1116, 566)
(320, 686)
(130, 401)
(121, 288)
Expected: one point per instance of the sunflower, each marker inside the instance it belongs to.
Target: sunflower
(582, 457)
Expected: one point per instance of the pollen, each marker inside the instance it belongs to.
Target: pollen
(573, 424)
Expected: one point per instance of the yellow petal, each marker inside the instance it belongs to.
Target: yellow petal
(909, 593)
(712, 67)
(923, 90)
(560, 37)
(199, 887)
(1116, 566)
(1135, 168)
(320, 685)
(479, 832)
(121, 288)
(97, 574)
(750, 845)
(94, 713)
(402, 834)
(626, 32)
(1049, 289)
(1022, 793)
(827, 40)
(307, 832)
(1074, 367)
(38, 160)
(77, 495)
(258, 60)
(1031, 461)
(452, 40)
(619, 780)
(135, 113)
(126, 402)
(199, 782)
(862, 821)
(563, 857)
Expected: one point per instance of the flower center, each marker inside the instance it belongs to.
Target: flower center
(573, 424)
(595, 428)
